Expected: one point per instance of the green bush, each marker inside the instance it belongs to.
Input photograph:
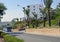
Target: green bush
(9, 38)
(3, 34)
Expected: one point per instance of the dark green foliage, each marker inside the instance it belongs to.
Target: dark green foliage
(2, 6)
(48, 3)
(9, 38)
(26, 12)
(1, 33)
(36, 20)
(48, 6)
(43, 11)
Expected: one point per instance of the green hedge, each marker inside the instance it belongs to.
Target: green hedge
(9, 38)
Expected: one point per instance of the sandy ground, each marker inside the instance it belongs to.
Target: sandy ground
(45, 31)
(43, 34)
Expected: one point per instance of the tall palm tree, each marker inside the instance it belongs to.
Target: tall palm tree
(35, 15)
(27, 11)
(2, 9)
(58, 12)
(48, 6)
(44, 15)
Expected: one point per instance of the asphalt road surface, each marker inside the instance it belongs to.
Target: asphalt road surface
(36, 38)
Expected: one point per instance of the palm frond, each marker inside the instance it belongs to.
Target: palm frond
(35, 15)
(27, 12)
(48, 3)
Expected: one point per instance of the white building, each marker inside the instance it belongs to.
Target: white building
(35, 9)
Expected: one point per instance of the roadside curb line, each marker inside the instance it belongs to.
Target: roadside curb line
(43, 34)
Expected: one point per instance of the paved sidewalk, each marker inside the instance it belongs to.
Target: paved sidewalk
(1, 40)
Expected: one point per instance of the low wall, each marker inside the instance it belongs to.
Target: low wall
(45, 31)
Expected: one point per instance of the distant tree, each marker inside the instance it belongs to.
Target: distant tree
(53, 14)
(58, 12)
(2, 9)
(47, 4)
(58, 9)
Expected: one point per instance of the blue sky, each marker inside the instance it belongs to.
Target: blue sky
(14, 11)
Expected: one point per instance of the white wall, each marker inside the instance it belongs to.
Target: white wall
(35, 8)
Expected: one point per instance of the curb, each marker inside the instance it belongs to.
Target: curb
(44, 34)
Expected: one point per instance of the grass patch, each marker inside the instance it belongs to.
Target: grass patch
(9, 38)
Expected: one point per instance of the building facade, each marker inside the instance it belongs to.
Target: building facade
(36, 9)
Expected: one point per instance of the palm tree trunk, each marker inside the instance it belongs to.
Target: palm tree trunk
(28, 21)
(33, 24)
(49, 17)
(44, 22)
(59, 23)
(36, 23)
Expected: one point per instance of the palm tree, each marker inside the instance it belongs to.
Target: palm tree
(2, 9)
(26, 11)
(58, 12)
(44, 15)
(35, 15)
(48, 7)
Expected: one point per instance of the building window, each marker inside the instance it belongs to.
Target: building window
(33, 9)
(40, 14)
(28, 6)
(33, 6)
(40, 6)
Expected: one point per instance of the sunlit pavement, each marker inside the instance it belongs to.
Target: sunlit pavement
(35, 38)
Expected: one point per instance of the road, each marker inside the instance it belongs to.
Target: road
(36, 38)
